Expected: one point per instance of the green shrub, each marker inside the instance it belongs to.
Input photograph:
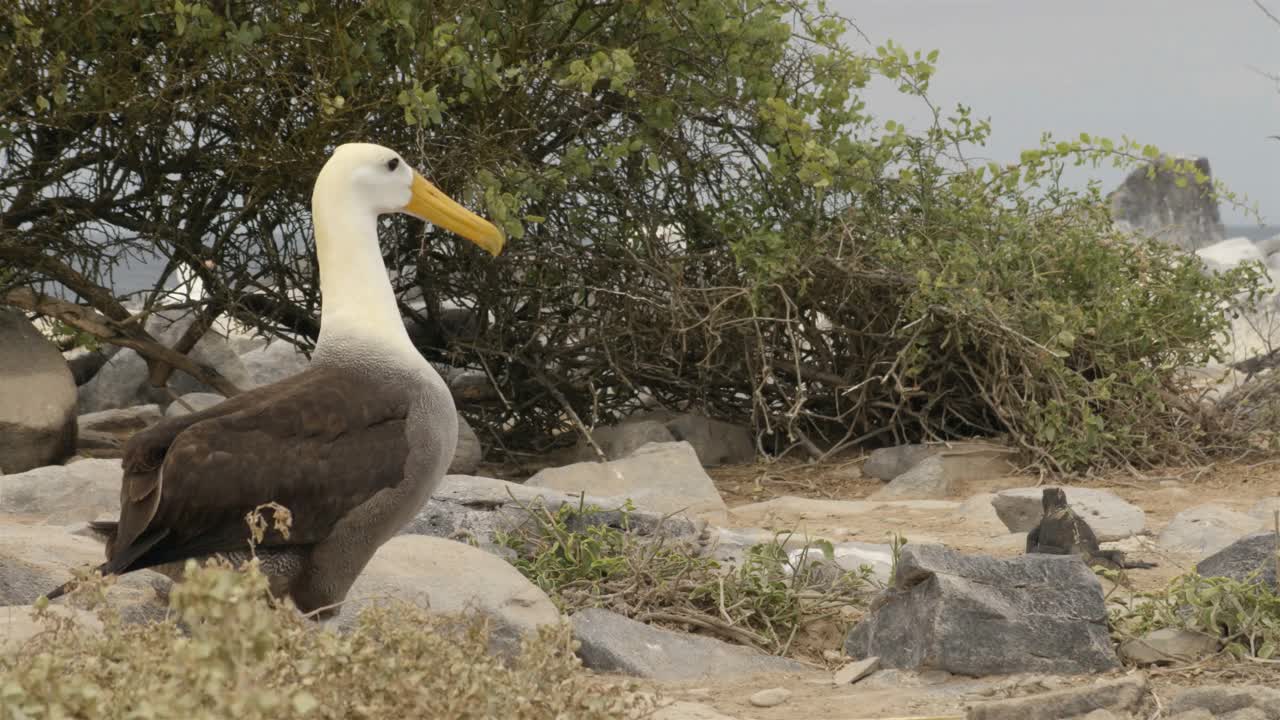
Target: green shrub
(765, 603)
(229, 652)
(703, 211)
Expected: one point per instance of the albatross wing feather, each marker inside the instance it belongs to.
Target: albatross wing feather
(320, 443)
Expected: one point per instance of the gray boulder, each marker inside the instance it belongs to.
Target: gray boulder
(716, 442)
(122, 381)
(35, 559)
(196, 401)
(978, 615)
(664, 477)
(274, 362)
(609, 642)
(1205, 529)
(619, 441)
(37, 398)
(1108, 516)
(474, 509)
(1240, 559)
(451, 577)
(120, 420)
(961, 461)
(1184, 217)
(926, 479)
(468, 452)
(80, 491)
(86, 363)
(1218, 700)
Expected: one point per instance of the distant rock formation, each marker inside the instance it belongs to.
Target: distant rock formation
(1185, 217)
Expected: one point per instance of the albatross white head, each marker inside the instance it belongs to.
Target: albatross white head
(359, 182)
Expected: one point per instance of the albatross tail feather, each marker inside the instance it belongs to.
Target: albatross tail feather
(120, 562)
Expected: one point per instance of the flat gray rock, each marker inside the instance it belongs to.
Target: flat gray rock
(610, 642)
(1205, 529)
(662, 477)
(79, 491)
(451, 577)
(274, 362)
(38, 406)
(197, 401)
(619, 441)
(1218, 700)
(1264, 511)
(1110, 517)
(716, 442)
(926, 479)
(35, 559)
(468, 453)
(1169, 646)
(1122, 695)
(475, 508)
(1249, 554)
(978, 615)
(961, 460)
(120, 419)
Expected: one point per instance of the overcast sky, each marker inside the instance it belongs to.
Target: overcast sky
(1174, 73)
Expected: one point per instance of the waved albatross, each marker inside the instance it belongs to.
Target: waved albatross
(352, 446)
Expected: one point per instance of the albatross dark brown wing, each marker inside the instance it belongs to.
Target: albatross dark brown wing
(319, 443)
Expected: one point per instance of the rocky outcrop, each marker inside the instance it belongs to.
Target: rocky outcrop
(1185, 217)
(79, 491)
(960, 461)
(474, 509)
(978, 615)
(37, 398)
(451, 577)
(715, 442)
(274, 362)
(610, 642)
(123, 381)
(665, 477)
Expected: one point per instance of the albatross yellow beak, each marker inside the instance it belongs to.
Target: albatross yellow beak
(429, 204)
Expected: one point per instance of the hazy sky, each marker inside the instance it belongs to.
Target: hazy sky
(1178, 74)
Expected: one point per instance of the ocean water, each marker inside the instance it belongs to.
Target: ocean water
(1253, 232)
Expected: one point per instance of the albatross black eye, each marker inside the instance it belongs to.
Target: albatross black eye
(392, 164)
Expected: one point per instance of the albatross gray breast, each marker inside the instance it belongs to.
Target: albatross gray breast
(352, 446)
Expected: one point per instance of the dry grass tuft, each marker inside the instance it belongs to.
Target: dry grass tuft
(230, 652)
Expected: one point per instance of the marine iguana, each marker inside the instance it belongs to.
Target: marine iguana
(1062, 532)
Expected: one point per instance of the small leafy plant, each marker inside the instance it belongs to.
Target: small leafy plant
(1245, 614)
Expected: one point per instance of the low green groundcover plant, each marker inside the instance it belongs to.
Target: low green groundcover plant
(1244, 614)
